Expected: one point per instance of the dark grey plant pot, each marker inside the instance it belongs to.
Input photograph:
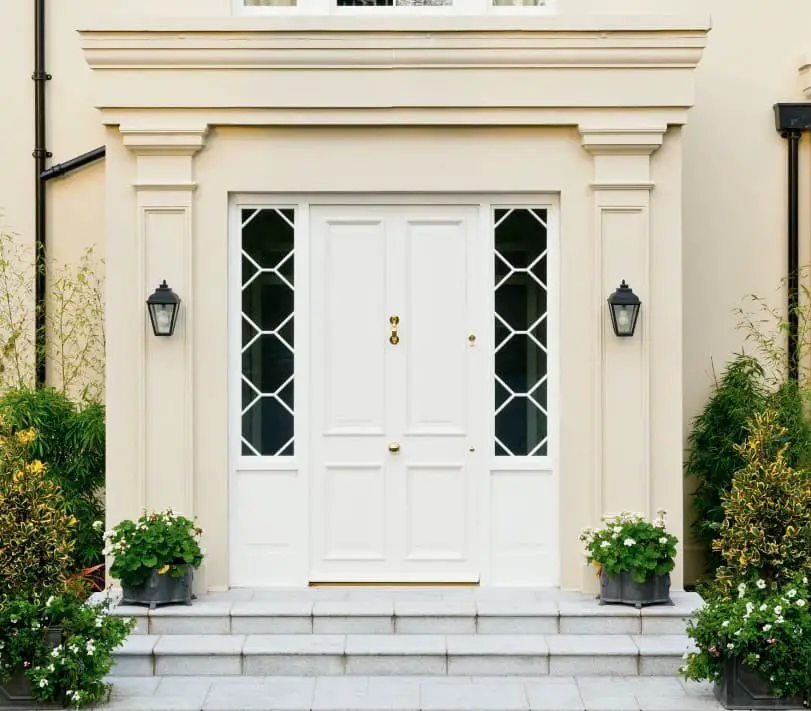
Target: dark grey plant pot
(16, 694)
(744, 688)
(622, 589)
(161, 590)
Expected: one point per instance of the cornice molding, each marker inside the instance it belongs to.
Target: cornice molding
(428, 43)
(167, 141)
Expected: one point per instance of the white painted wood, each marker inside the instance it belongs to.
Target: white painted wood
(379, 516)
(436, 486)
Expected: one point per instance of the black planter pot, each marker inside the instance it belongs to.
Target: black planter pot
(16, 694)
(622, 589)
(161, 590)
(743, 688)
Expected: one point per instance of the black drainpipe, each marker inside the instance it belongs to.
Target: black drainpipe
(791, 121)
(41, 154)
(42, 176)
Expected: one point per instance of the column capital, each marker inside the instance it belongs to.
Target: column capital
(622, 141)
(176, 141)
(164, 156)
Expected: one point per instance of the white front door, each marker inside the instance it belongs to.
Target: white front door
(398, 417)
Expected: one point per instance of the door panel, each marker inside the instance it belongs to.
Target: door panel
(407, 515)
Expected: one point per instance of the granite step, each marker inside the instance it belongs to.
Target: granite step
(389, 614)
(404, 693)
(260, 655)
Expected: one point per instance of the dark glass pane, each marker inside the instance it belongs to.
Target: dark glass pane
(521, 238)
(501, 394)
(268, 237)
(287, 332)
(248, 269)
(267, 426)
(539, 332)
(520, 364)
(539, 270)
(521, 426)
(267, 301)
(512, 301)
(248, 332)
(286, 394)
(268, 363)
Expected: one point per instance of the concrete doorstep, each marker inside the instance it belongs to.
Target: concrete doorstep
(409, 693)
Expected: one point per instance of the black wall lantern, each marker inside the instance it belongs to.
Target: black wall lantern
(624, 306)
(163, 307)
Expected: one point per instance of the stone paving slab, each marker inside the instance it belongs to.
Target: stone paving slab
(404, 693)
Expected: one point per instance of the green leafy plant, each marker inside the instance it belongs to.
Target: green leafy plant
(767, 526)
(36, 533)
(767, 627)
(71, 443)
(74, 321)
(73, 669)
(165, 541)
(713, 454)
(629, 543)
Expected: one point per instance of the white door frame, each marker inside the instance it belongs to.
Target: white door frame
(291, 567)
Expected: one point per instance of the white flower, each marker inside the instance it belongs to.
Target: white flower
(800, 603)
(56, 651)
(766, 628)
(69, 693)
(98, 525)
(778, 610)
(725, 623)
(738, 633)
(750, 608)
(730, 646)
(686, 655)
(99, 621)
(50, 601)
(605, 544)
(792, 593)
(764, 607)
(805, 581)
(663, 540)
(779, 620)
(35, 625)
(43, 683)
(761, 584)
(51, 668)
(741, 589)
(629, 542)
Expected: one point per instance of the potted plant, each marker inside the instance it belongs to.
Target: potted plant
(634, 558)
(754, 633)
(755, 646)
(54, 648)
(155, 558)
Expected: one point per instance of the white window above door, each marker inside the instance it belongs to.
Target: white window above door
(366, 7)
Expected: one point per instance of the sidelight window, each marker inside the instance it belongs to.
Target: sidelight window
(521, 332)
(268, 344)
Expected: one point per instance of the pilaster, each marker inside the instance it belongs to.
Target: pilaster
(164, 189)
(621, 189)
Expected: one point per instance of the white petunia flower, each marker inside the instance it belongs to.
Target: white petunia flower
(761, 584)
(792, 593)
(629, 542)
(605, 544)
(98, 525)
(725, 623)
(764, 607)
(741, 589)
(766, 628)
(778, 610)
(730, 646)
(800, 603)
(663, 540)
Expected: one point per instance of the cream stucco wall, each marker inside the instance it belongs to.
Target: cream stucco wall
(734, 162)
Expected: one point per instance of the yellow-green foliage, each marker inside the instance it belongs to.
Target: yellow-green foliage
(36, 541)
(767, 529)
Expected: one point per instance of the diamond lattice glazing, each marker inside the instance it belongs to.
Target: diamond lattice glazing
(521, 345)
(268, 348)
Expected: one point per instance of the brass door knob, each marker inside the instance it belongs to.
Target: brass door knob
(394, 447)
